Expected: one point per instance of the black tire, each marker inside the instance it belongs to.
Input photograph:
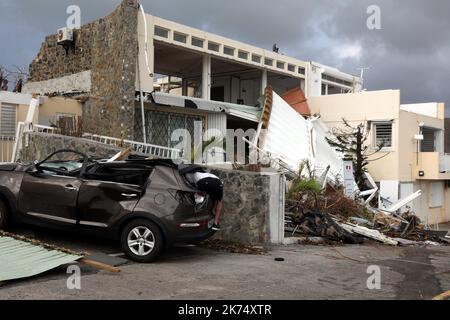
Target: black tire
(3, 215)
(134, 252)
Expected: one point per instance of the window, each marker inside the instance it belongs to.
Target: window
(256, 58)
(291, 67)
(180, 37)
(213, 46)
(197, 42)
(268, 62)
(228, 51)
(383, 134)
(428, 142)
(161, 32)
(242, 55)
(8, 119)
(301, 70)
(280, 64)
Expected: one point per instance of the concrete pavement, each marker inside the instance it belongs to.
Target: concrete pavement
(308, 272)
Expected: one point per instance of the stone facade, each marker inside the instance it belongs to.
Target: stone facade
(108, 48)
(253, 211)
(37, 146)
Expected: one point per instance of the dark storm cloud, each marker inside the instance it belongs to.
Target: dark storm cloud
(410, 52)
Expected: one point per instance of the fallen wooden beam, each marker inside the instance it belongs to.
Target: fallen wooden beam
(99, 265)
(443, 296)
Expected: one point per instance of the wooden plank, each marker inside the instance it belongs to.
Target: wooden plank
(99, 265)
(443, 296)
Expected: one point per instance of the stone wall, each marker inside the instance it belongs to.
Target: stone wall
(252, 211)
(37, 146)
(253, 202)
(108, 48)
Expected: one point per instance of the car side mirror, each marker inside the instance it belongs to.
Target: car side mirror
(34, 167)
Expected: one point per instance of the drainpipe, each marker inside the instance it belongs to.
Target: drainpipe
(144, 131)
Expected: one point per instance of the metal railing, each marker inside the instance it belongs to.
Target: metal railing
(138, 147)
(6, 148)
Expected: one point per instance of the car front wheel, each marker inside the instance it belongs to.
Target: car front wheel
(142, 241)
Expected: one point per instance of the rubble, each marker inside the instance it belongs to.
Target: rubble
(320, 224)
(329, 214)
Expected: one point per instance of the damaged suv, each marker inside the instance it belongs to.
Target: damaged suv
(147, 205)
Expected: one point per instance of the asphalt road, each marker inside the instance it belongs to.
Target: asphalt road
(307, 272)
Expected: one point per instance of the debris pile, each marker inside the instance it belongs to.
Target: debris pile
(328, 213)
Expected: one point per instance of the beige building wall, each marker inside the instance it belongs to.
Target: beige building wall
(408, 148)
(52, 107)
(400, 161)
(359, 108)
(45, 114)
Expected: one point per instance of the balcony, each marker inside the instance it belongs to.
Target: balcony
(432, 166)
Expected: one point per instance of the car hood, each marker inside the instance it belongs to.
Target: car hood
(8, 166)
(4, 166)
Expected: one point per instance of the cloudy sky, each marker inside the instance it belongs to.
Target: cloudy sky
(411, 52)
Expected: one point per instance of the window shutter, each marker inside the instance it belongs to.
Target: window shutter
(8, 120)
(383, 134)
(427, 144)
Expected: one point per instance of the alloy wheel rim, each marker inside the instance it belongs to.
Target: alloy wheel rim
(141, 241)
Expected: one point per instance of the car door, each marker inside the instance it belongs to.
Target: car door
(50, 196)
(101, 202)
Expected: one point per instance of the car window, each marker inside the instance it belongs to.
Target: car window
(132, 174)
(63, 163)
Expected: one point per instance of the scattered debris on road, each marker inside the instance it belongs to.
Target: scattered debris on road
(233, 247)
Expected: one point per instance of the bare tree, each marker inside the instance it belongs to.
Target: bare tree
(353, 142)
(18, 76)
(4, 74)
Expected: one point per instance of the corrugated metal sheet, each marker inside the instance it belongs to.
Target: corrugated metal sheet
(20, 259)
(288, 135)
(295, 139)
(241, 111)
(217, 123)
(325, 155)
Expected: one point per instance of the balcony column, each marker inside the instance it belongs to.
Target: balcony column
(206, 77)
(263, 81)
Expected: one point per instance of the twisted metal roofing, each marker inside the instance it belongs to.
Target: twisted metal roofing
(20, 259)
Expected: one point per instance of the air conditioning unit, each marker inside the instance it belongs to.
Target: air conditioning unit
(65, 36)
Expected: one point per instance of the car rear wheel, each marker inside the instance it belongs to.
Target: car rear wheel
(142, 241)
(3, 215)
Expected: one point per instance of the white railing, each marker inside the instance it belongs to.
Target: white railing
(139, 147)
(15, 144)
(6, 148)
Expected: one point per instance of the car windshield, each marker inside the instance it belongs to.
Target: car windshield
(63, 163)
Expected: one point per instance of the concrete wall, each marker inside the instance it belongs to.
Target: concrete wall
(78, 82)
(254, 202)
(108, 48)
